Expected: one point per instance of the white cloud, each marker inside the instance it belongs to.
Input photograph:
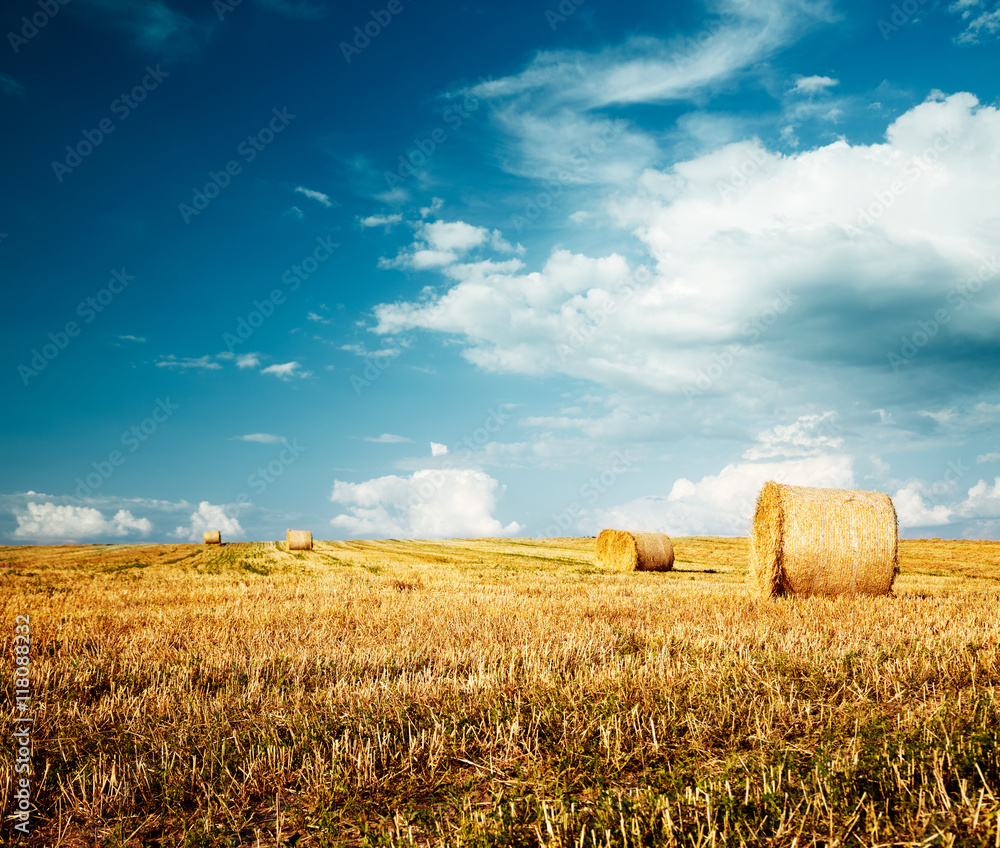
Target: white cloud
(982, 27)
(440, 243)
(723, 504)
(988, 457)
(205, 363)
(809, 436)
(438, 449)
(286, 371)
(814, 85)
(248, 360)
(754, 249)
(913, 512)
(381, 220)
(264, 438)
(361, 350)
(318, 196)
(427, 504)
(386, 439)
(982, 501)
(132, 338)
(51, 522)
(209, 517)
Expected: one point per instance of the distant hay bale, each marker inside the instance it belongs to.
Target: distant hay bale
(810, 541)
(213, 537)
(623, 550)
(299, 540)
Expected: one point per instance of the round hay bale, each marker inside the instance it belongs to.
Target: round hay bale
(299, 540)
(603, 543)
(811, 541)
(638, 551)
(213, 537)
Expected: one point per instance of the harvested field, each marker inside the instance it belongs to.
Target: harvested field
(500, 692)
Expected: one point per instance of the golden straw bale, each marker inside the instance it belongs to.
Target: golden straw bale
(625, 550)
(299, 540)
(603, 542)
(213, 537)
(811, 541)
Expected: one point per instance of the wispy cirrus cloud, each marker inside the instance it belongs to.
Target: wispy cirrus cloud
(318, 196)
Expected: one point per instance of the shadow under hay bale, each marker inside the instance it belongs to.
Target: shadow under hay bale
(299, 540)
(812, 541)
(623, 550)
(213, 537)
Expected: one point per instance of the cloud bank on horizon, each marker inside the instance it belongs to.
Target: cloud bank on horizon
(645, 265)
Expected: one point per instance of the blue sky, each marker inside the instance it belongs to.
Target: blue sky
(418, 269)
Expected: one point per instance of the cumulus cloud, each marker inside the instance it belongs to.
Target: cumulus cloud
(286, 371)
(913, 512)
(809, 436)
(814, 85)
(209, 516)
(784, 264)
(438, 449)
(426, 504)
(248, 360)
(264, 438)
(722, 504)
(49, 522)
(437, 244)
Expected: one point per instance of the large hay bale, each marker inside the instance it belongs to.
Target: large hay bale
(213, 537)
(603, 542)
(810, 541)
(299, 540)
(625, 550)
